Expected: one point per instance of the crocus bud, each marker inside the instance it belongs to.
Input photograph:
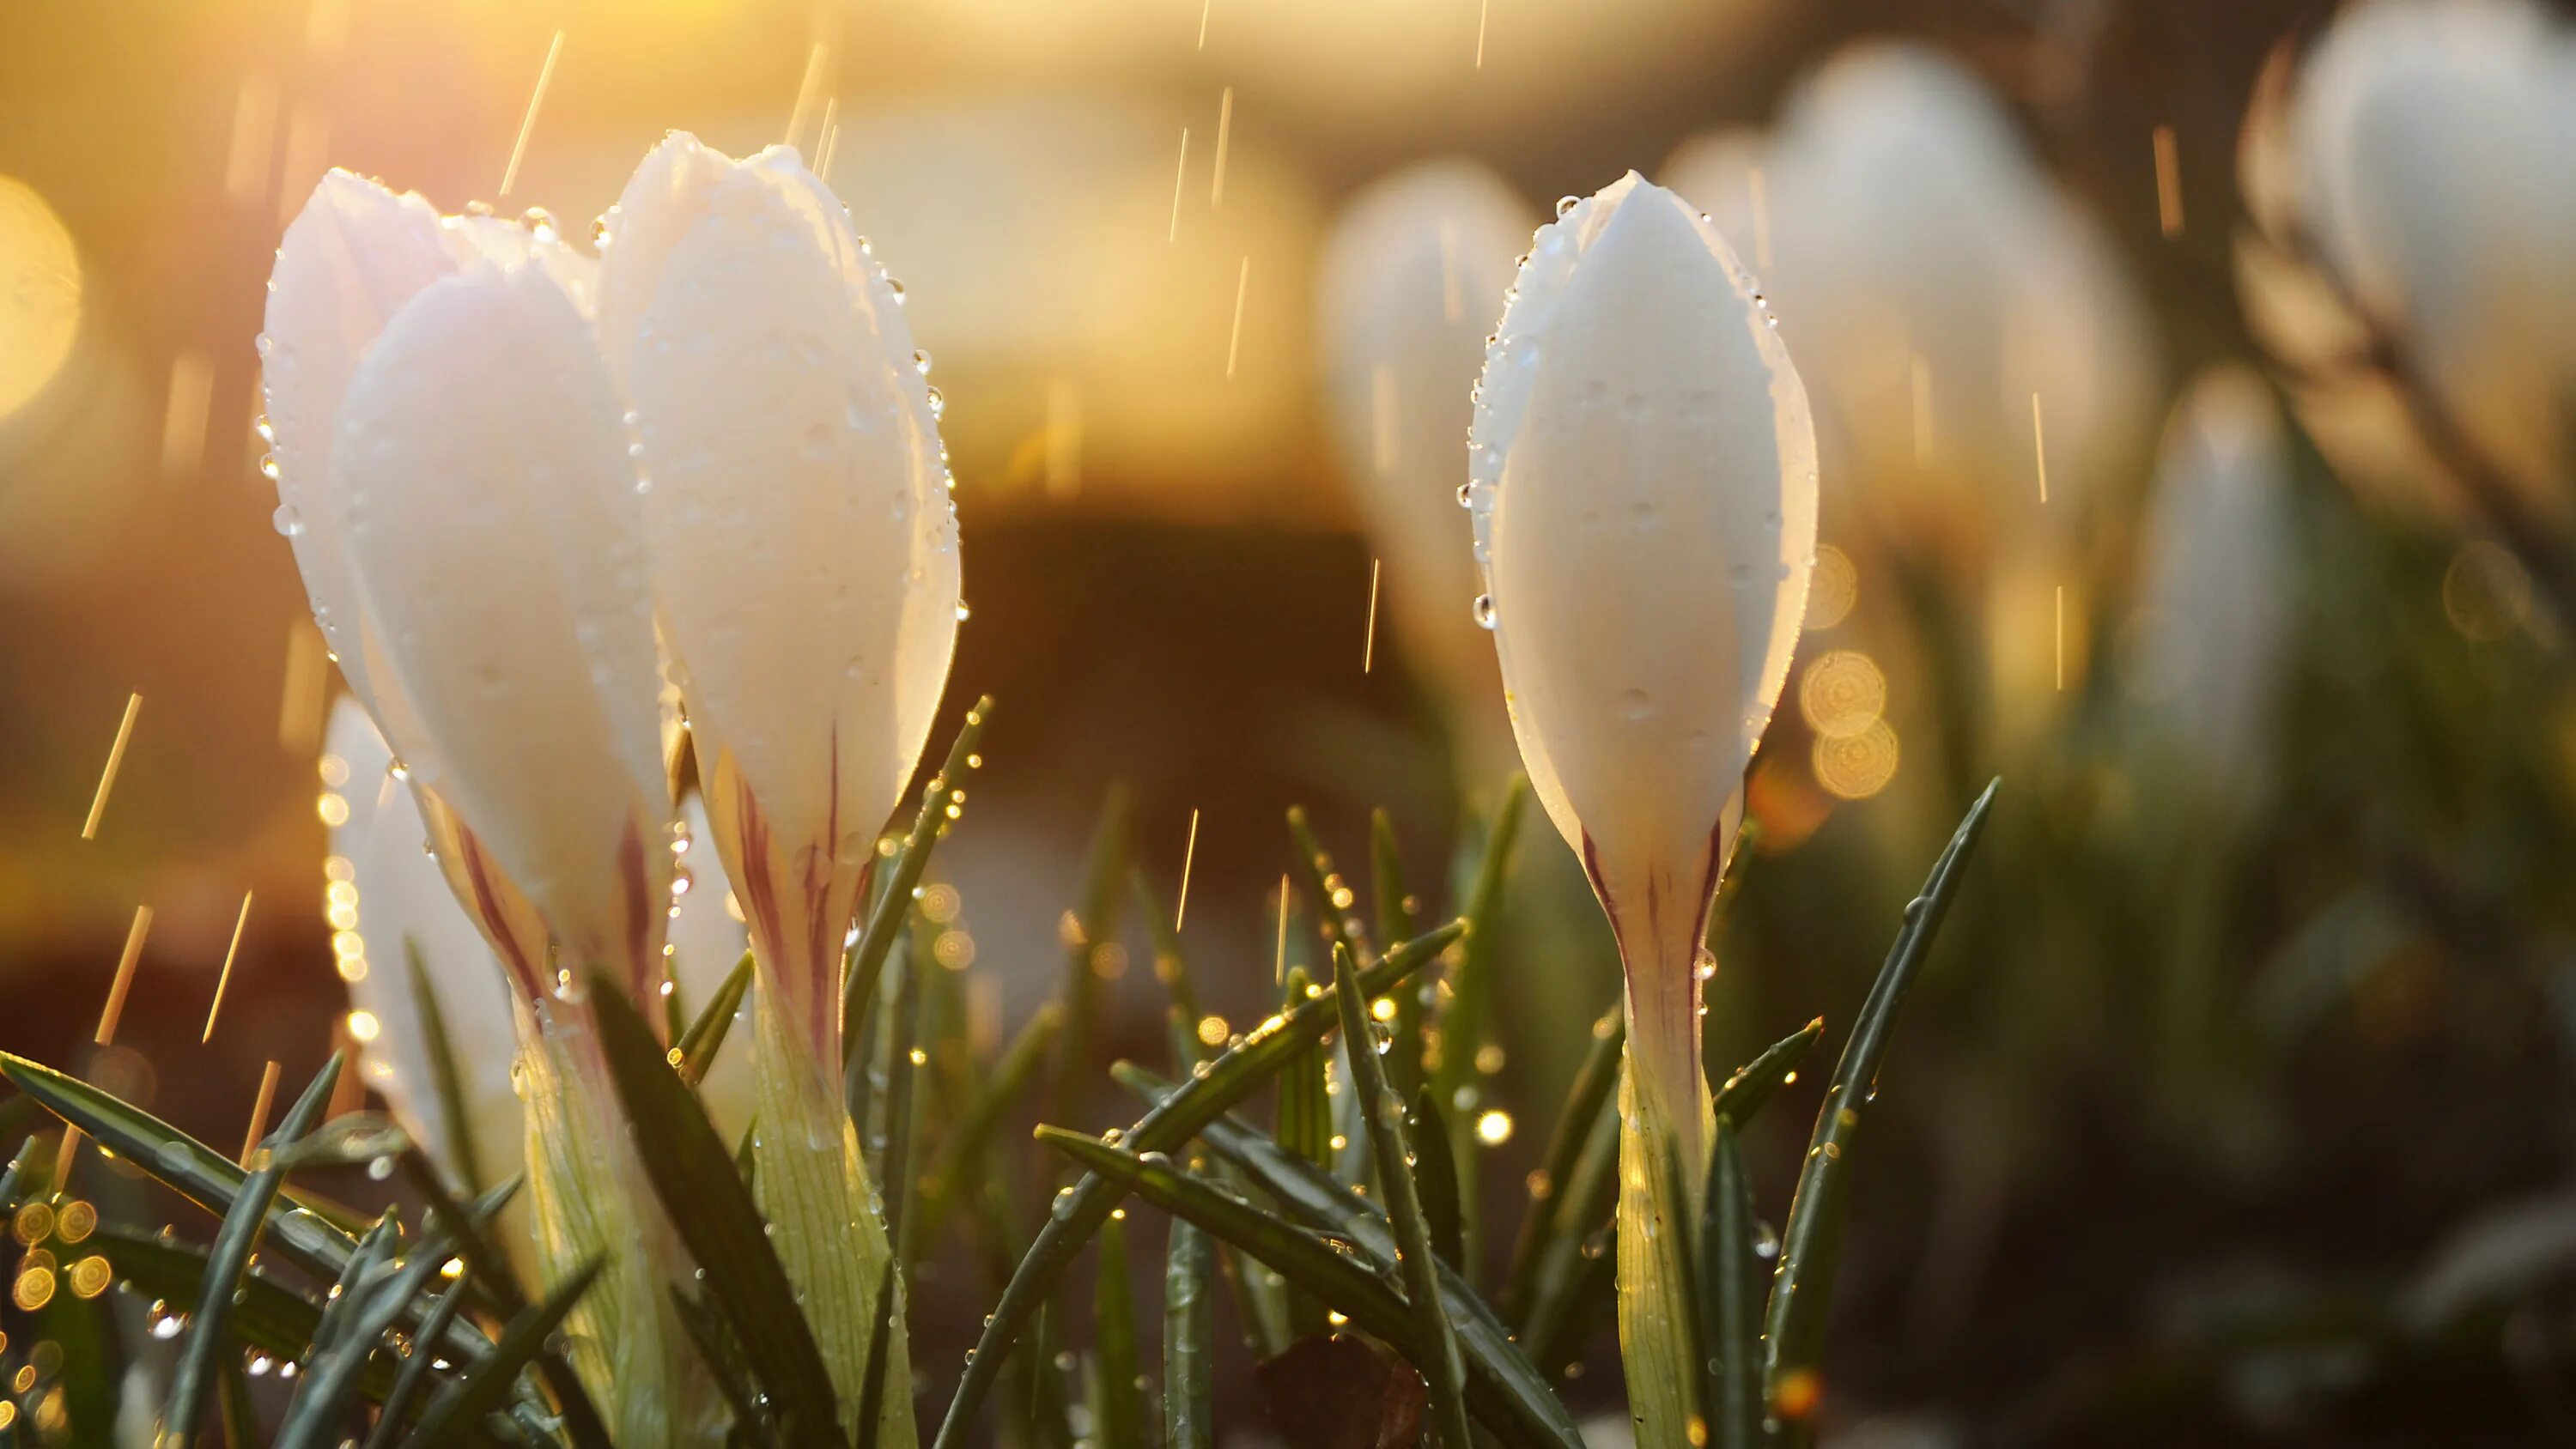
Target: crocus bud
(1933, 280)
(804, 548)
(2424, 161)
(453, 466)
(1644, 494)
(1405, 299)
(2216, 604)
(804, 555)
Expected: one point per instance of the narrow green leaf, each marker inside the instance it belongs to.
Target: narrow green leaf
(1383, 1112)
(1326, 893)
(1079, 1210)
(1730, 1298)
(1582, 1207)
(1189, 1396)
(1464, 1027)
(880, 1348)
(333, 1374)
(886, 918)
(964, 1148)
(1593, 1083)
(1371, 1304)
(723, 1358)
(1117, 1409)
(1435, 1176)
(193, 1380)
(270, 1317)
(1304, 1125)
(414, 1376)
(240, 1413)
(1742, 1095)
(494, 1287)
(706, 1035)
(1811, 1248)
(445, 1076)
(1171, 965)
(1092, 923)
(180, 1162)
(485, 1386)
(1730, 883)
(904, 1062)
(694, 1176)
(1396, 913)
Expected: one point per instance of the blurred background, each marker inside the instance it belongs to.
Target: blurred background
(2192, 382)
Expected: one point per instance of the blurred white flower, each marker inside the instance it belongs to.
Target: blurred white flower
(804, 549)
(1932, 279)
(2217, 599)
(453, 477)
(2419, 153)
(1643, 487)
(1406, 295)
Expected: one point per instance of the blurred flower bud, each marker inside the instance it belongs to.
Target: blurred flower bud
(1407, 292)
(1643, 486)
(2216, 601)
(1933, 281)
(2411, 203)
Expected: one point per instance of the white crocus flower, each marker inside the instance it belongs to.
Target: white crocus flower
(2216, 606)
(454, 473)
(2420, 152)
(804, 557)
(1643, 476)
(1404, 300)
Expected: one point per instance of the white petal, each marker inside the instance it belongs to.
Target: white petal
(1407, 293)
(494, 526)
(349, 261)
(1649, 518)
(804, 549)
(404, 907)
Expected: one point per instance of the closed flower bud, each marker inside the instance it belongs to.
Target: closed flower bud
(1644, 496)
(2220, 583)
(1405, 299)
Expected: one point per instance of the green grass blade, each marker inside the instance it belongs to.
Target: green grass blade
(1117, 1408)
(446, 1077)
(1396, 913)
(1326, 893)
(965, 1147)
(1171, 964)
(1189, 1335)
(694, 1175)
(1464, 1027)
(1383, 1112)
(1079, 1210)
(1582, 1207)
(268, 1316)
(414, 1377)
(485, 1386)
(180, 1162)
(1502, 1403)
(1435, 1176)
(193, 1380)
(334, 1373)
(723, 1358)
(1742, 1095)
(904, 1067)
(1730, 1299)
(886, 917)
(1811, 1247)
(1304, 1125)
(1593, 1083)
(1091, 924)
(880, 1349)
(706, 1035)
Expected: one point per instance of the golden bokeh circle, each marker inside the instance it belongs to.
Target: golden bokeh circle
(1832, 589)
(1842, 693)
(40, 294)
(1856, 766)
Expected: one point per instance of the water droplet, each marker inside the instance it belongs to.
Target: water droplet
(1634, 704)
(1565, 204)
(963, 613)
(1483, 610)
(287, 521)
